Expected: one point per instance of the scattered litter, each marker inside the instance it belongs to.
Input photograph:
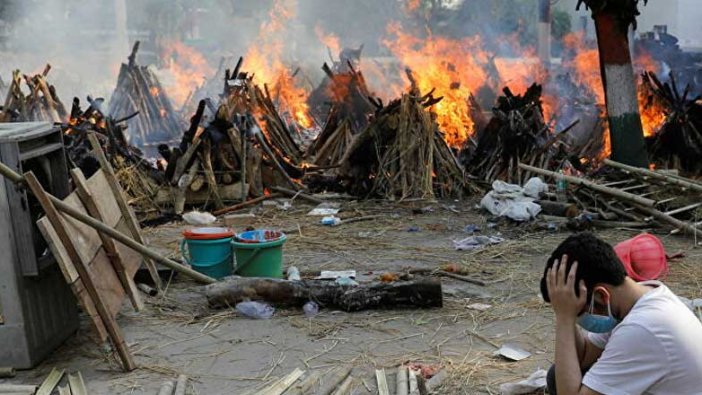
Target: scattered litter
(346, 281)
(257, 310)
(534, 187)
(325, 209)
(533, 383)
(285, 205)
(475, 242)
(334, 274)
(512, 352)
(199, 218)
(389, 277)
(471, 228)
(331, 221)
(479, 306)
(509, 200)
(311, 309)
(413, 229)
(293, 274)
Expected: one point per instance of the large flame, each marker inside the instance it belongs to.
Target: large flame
(453, 67)
(188, 67)
(264, 59)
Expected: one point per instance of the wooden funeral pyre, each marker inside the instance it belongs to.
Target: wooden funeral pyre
(516, 134)
(678, 143)
(139, 90)
(40, 104)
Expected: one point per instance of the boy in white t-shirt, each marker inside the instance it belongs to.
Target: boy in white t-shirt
(641, 339)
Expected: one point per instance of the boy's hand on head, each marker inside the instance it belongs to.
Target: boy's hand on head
(561, 290)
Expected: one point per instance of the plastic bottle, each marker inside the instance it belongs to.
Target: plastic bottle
(293, 274)
(257, 310)
(311, 309)
(561, 187)
(331, 221)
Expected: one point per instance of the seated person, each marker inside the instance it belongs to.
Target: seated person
(640, 339)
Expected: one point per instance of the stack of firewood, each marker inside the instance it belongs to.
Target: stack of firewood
(402, 154)
(139, 90)
(678, 143)
(351, 106)
(516, 134)
(40, 104)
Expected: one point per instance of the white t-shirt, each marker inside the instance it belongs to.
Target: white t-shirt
(656, 349)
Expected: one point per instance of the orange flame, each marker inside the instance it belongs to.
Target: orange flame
(585, 65)
(264, 59)
(188, 67)
(452, 67)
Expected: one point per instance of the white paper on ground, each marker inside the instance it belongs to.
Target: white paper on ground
(535, 382)
(334, 274)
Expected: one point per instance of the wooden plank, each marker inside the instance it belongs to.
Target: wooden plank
(124, 208)
(47, 387)
(77, 384)
(85, 272)
(283, 384)
(382, 382)
(105, 200)
(91, 203)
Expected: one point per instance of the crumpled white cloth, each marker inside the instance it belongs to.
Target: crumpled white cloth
(535, 382)
(513, 201)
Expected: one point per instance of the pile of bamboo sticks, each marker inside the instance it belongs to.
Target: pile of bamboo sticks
(41, 104)
(139, 90)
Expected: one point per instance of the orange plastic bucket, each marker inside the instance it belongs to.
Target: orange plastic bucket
(643, 257)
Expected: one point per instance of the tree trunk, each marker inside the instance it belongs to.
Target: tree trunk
(420, 293)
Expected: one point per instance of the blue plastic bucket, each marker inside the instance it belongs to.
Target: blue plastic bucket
(210, 257)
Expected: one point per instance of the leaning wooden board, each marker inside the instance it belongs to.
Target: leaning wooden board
(89, 247)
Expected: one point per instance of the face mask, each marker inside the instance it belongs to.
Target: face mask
(596, 323)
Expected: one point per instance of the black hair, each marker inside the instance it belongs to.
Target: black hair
(597, 263)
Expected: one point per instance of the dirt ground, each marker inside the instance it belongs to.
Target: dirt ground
(227, 354)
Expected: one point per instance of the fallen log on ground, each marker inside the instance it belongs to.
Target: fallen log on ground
(419, 293)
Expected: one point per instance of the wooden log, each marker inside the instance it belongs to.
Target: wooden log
(330, 382)
(382, 382)
(185, 159)
(77, 384)
(301, 195)
(423, 293)
(688, 184)
(559, 209)
(402, 381)
(166, 388)
(305, 386)
(183, 184)
(51, 381)
(7, 372)
(246, 204)
(101, 227)
(283, 384)
(592, 185)
(181, 385)
(344, 387)
(206, 158)
(682, 225)
(17, 389)
(275, 161)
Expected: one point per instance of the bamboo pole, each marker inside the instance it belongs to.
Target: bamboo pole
(101, 227)
(592, 185)
(648, 173)
(671, 220)
(246, 203)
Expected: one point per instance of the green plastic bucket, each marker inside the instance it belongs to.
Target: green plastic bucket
(258, 258)
(209, 257)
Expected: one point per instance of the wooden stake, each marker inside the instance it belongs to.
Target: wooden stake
(246, 204)
(402, 383)
(592, 185)
(124, 208)
(206, 158)
(681, 182)
(51, 381)
(110, 248)
(283, 384)
(382, 382)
